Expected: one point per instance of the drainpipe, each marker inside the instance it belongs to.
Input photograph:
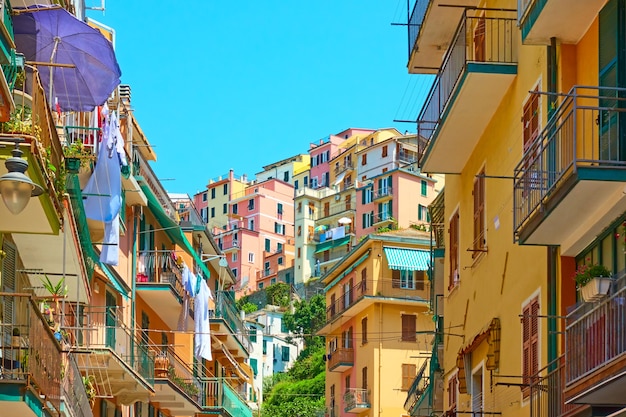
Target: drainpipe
(133, 269)
(552, 250)
(380, 355)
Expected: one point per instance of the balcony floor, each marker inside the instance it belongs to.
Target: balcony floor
(606, 387)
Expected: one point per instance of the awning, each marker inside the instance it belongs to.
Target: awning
(329, 244)
(407, 259)
(173, 229)
(491, 333)
(117, 284)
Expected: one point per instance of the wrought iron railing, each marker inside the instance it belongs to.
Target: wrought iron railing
(225, 308)
(418, 387)
(160, 267)
(382, 192)
(595, 334)
(415, 22)
(170, 366)
(355, 398)
(546, 391)
(524, 7)
(341, 356)
(342, 167)
(385, 287)
(582, 132)
(218, 394)
(73, 388)
(477, 40)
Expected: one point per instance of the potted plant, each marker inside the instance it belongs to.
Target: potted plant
(161, 365)
(76, 156)
(90, 389)
(593, 281)
(21, 122)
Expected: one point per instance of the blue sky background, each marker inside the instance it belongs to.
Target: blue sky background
(220, 84)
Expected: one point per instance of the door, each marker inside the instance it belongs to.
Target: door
(110, 320)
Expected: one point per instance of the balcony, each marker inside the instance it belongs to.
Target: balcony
(578, 160)
(228, 325)
(107, 351)
(383, 194)
(341, 359)
(595, 351)
(546, 392)
(356, 400)
(565, 20)
(418, 398)
(431, 26)
(365, 293)
(175, 386)
(219, 398)
(28, 385)
(343, 167)
(160, 284)
(477, 71)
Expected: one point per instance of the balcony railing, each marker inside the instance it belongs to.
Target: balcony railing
(168, 365)
(418, 387)
(583, 132)
(34, 356)
(356, 399)
(343, 167)
(595, 334)
(341, 356)
(481, 40)
(382, 192)
(160, 267)
(386, 287)
(337, 208)
(546, 391)
(73, 388)
(225, 308)
(218, 394)
(98, 328)
(407, 157)
(415, 22)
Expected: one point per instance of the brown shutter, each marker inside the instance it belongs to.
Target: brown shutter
(454, 248)
(395, 278)
(409, 371)
(364, 377)
(420, 280)
(408, 328)
(364, 330)
(526, 319)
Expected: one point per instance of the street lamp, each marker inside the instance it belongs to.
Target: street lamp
(15, 187)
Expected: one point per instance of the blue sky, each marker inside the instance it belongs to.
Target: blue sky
(220, 84)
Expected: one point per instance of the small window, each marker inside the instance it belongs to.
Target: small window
(299, 252)
(384, 151)
(306, 180)
(250, 204)
(295, 184)
(286, 176)
(272, 281)
(261, 287)
(212, 193)
(364, 159)
(251, 224)
(408, 328)
(225, 189)
(280, 260)
(285, 354)
(235, 272)
(225, 208)
(364, 330)
(212, 212)
(234, 254)
(267, 245)
(299, 230)
(203, 196)
(279, 248)
(265, 341)
(251, 257)
(235, 208)
(424, 188)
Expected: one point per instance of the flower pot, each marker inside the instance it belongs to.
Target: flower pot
(72, 165)
(161, 364)
(596, 289)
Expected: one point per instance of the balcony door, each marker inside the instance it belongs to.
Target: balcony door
(111, 312)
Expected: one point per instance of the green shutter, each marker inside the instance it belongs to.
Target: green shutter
(363, 195)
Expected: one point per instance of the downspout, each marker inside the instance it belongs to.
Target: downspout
(552, 250)
(380, 354)
(133, 270)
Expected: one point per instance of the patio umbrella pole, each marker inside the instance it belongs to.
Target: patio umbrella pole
(54, 51)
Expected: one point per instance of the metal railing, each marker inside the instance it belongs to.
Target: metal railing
(225, 308)
(415, 22)
(595, 334)
(582, 132)
(100, 328)
(477, 40)
(29, 352)
(408, 157)
(73, 388)
(168, 365)
(160, 267)
(382, 192)
(546, 389)
(341, 356)
(356, 398)
(218, 394)
(418, 387)
(342, 167)
(524, 7)
(385, 287)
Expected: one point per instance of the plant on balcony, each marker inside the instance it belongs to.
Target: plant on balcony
(76, 156)
(57, 291)
(188, 388)
(21, 122)
(90, 388)
(593, 281)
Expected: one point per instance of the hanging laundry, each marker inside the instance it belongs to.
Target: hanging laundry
(202, 348)
(110, 254)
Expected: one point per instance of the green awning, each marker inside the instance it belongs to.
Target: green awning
(329, 244)
(407, 259)
(172, 229)
(118, 285)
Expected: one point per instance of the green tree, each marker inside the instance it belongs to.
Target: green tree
(244, 304)
(307, 319)
(278, 294)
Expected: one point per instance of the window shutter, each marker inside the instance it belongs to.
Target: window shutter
(364, 377)
(408, 328)
(395, 278)
(534, 338)
(454, 247)
(363, 195)
(364, 330)
(363, 280)
(420, 280)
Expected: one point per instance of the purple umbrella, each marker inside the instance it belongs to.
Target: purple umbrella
(53, 35)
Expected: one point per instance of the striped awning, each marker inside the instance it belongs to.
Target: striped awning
(407, 259)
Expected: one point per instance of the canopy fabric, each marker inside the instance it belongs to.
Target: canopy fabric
(407, 259)
(172, 229)
(329, 244)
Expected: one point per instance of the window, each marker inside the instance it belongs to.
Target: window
(364, 330)
(406, 280)
(279, 228)
(235, 208)
(253, 335)
(368, 219)
(261, 287)
(254, 365)
(299, 230)
(234, 255)
(364, 159)
(326, 209)
(420, 210)
(272, 281)
(234, 272)
(479, 214)
(348, 201)
(409, 371)
(364, 378)
(424, 188)
(225, 208)
(285, 354)
(212, 212)
(314, 182)
(296, 184)
(251, 257)
(454, 251)
(225, 189)
(347, 382)
(212, 193)
(313, 161)
(286, 176)
(250, 204)
(306, 180)
(267, 245)
(363, 280)
(530, 342)
(251, 224)
(453, 389)
(408, 328)
(367, 195)
(264, 344)
(266, 268)
(299, 252)
(384, 151)
(203, 196)
(280, 260)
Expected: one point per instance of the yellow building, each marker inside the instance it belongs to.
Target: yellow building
(526, 114)
(378, 323)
